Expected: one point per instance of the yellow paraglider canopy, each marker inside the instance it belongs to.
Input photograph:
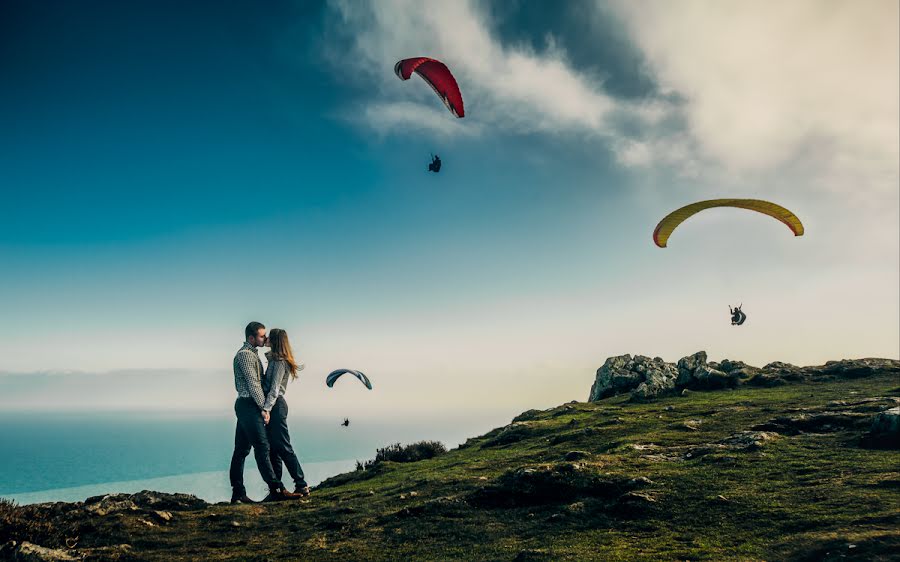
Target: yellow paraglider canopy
(672, 220)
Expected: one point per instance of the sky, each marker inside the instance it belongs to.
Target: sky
(170, 172)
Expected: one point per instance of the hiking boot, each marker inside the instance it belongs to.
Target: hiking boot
(280, 495)
(301, 491)
(241, 499)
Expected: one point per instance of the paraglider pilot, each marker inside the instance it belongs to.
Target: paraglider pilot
(346, 422)
(737, 317)
(435, 165)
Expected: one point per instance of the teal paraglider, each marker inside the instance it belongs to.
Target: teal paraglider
(335, 375)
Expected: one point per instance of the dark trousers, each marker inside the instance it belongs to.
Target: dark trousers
(280, 444)
(250, 433)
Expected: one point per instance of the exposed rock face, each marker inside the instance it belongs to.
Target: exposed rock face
(28, 552)
(646, 379)
(549, 484)
(885, 431)
(887, 422)
(110, 504)
(814, 422)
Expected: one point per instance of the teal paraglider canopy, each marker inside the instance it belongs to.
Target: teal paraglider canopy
(335, 375)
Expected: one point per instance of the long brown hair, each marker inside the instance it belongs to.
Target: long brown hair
(281, 349)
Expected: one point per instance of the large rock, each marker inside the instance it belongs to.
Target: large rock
(549, 484)
(695, 373)
(858, 368)
(887, 422)
(149, 500)
(885, 430)
(645, 376)
(777, 373)
(28, 552)
(657, 381)
(106, 505)
(687, 366)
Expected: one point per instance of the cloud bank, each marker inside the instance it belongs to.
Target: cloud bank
(774, 85)
(506, 88)
(807, 89)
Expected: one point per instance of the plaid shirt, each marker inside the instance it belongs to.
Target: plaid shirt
(248, 371)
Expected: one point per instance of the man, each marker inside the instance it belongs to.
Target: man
(252, 419)
(737, 315)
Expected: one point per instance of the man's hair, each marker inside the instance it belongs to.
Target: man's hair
(252, 328)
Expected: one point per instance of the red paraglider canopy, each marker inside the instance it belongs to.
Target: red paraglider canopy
(438, 76)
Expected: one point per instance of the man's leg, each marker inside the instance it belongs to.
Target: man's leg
(255, 429)
(236, 472)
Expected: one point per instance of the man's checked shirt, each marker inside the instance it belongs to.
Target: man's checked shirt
(248, 372)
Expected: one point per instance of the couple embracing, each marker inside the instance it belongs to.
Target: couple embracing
(262, 415)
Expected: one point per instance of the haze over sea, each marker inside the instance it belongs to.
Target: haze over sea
(71, 456)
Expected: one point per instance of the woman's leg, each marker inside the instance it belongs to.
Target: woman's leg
(273, 438)
(280, 442)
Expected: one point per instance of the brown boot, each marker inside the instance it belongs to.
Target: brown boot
(280, 495)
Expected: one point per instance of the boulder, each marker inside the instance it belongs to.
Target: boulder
(169, 502)
(644, 377)
(527, 415)
(885, 430)
(686, 367)
(532, 555)
(749, 440)
(546, 485)
(858, 368)
(887, 422)
(614, 377)
(815, 422)
(695, 373)
(105, 505)
(111, 503)
(28, 552)
(576, 455)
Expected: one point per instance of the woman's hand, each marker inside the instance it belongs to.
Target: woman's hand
(265, 416)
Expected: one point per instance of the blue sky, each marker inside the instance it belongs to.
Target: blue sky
(171, 172)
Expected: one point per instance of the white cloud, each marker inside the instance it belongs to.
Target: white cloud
(770, 85)
(387, 117)
(503, 87)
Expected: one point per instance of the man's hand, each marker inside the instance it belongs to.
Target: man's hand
(265, 416)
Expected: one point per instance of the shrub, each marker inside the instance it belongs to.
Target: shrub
(405, 453)
(25, 523)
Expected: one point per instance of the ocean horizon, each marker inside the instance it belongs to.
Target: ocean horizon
(209, 486)
(72, 456)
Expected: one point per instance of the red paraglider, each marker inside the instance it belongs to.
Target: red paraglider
(438, 76)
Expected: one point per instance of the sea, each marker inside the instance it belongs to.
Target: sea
(68, 457)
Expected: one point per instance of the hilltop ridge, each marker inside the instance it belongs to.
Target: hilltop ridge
(799, 465)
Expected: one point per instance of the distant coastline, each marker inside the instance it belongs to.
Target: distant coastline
(209, 486)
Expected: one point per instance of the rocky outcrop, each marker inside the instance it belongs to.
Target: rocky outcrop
(550, 484)
(645, 379)
(643, 376)
(885, 430)
(28, 552)
(145, 500)
(887, 422)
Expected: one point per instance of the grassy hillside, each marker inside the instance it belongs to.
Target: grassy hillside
(746, 474)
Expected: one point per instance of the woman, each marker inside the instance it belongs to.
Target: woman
(281, 366)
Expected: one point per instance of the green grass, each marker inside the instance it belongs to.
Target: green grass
(802, 497)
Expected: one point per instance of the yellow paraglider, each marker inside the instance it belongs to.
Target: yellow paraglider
(672, 220)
